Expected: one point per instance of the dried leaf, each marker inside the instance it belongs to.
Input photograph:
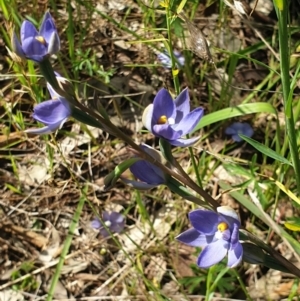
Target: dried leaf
(197, 41)
(10, 295)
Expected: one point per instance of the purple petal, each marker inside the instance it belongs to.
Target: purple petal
(47, 27)
(53, 93)
(54, 43)
(28, 30)
(204, 221)
(180, 59)
(184, 142)
(36, 57)
(51, 112)
(41, 131)
(118, 222)
(151, 151)
(212, 254)
(163, 104)
(104, 232)
(117, 228)
(236, 138)
(189, 122)
(226, 234)
(165, 59)
(116, 217)
(230, 130)
(235, 234)
(147, 172)
(34, 48)
(182, 103)
(96, 224)
(248, 131)
(165, 131)
(193, 238)
(239, 128)
(138, 185)
(16, 46)
(105, 216)
(235, 256)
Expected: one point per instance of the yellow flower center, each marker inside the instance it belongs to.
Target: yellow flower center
(41, 39)
(162, 119)
(222, 227)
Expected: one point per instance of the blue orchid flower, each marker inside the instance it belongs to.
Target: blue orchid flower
(53, 113)
(147, 174)
(239, 128)
(114, 221)
(37, 45)
(217, 234)
(166, 61)
(171, 119)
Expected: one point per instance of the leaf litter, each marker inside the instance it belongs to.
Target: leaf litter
(94, 266)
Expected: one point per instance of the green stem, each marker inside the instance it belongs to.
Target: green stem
(195, 167)
(287, 99)
(177, 89)
(109, 127)
(66, 247)
(174, 74)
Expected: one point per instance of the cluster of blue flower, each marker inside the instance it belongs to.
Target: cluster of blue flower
(216, 232)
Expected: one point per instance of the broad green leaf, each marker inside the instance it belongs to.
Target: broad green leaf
(240, 110)
(266, 150)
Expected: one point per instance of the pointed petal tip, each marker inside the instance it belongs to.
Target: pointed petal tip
(96, 224)
(192, 237)
(39, 131)
(16, 46)
(184, 142)
(235, 256)
(138, 185)
(54, 43)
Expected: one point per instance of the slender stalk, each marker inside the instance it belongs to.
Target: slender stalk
(66, 247)
(287, 100)
(112, 129)
(174, 74)
(108, 126)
